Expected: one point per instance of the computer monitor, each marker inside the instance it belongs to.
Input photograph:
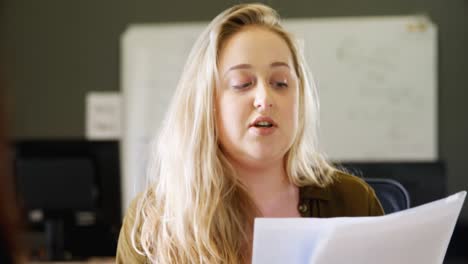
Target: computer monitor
(70, 191)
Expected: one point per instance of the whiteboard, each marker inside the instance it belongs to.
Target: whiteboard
(376, 80)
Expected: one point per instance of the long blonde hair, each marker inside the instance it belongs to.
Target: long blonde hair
(195, 209)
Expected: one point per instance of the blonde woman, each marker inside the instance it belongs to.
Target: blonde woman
(238, 142)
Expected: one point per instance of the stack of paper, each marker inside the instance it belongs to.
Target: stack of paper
(417, 235)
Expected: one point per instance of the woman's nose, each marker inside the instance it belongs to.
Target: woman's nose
(263, 100)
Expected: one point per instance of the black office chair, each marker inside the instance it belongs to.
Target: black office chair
(392, 195)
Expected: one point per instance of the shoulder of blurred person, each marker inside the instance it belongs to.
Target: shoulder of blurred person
(10, 248)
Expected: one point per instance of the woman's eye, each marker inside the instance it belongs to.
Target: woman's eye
(242, 85)
(279, 84)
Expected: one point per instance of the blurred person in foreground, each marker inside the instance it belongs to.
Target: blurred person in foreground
(9, 242)
(10, 249)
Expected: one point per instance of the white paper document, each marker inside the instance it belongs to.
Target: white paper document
(417, 235)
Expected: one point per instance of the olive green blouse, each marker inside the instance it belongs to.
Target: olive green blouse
(346, 196)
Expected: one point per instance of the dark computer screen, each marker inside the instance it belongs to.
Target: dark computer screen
(70, 193)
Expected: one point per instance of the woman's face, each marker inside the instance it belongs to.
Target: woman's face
(257, 97)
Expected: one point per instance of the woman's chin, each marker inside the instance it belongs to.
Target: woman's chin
(267, 155)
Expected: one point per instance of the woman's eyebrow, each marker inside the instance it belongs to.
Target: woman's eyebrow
(249, 66)
(237, 67)
(279, 64)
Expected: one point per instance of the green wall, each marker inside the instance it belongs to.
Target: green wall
(57, 51)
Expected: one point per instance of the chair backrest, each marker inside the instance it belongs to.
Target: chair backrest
(392, 195)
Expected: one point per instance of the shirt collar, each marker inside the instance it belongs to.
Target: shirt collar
(314, 193)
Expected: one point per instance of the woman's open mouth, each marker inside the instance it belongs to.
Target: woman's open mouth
(263, 126)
